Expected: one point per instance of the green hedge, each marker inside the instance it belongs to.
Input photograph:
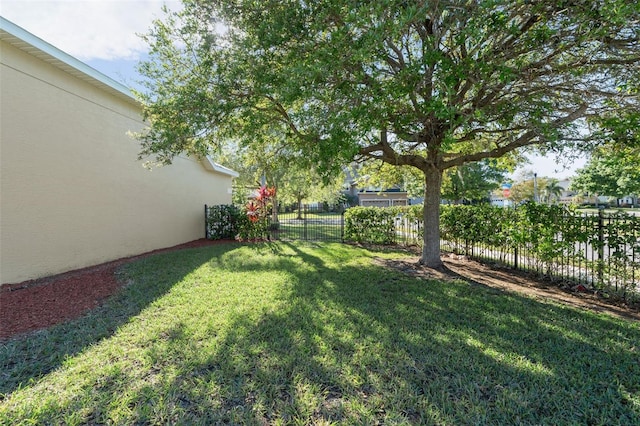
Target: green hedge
(479, 223)
(224, 221)
(376, 225)
(369, 225)
(228, 221)
(547, 232)
(603, 250)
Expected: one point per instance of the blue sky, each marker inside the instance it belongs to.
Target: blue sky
(103, 34)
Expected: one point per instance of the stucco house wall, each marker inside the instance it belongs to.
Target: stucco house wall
(72, 192)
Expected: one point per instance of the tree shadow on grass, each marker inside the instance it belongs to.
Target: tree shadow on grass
(358, 343)
(47, 349)
(342, 341)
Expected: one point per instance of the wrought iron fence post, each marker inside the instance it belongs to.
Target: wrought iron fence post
(601, 247)
(304, 222)
(515, 257)
(206, 223)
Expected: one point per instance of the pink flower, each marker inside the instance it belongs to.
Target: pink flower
(257, 209)
(270, 192)
(264, 193)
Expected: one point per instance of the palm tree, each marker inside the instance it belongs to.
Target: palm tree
(552, 189)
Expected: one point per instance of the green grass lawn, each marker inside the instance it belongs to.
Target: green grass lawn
(294, 333)
(310, 231)
(310, 214)
(609, 210)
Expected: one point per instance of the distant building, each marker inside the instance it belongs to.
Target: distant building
(386, 198)
(375, 197)
(629, 201)
(499, 200)
(569, 197)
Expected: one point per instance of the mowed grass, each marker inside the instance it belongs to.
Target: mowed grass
(311, 231)
(294, 333)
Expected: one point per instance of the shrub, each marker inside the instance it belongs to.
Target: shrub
(254, 223)
(223, 221)
(372, 225)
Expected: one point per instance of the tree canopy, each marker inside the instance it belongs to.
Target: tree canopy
(469, 182)
(380, 175)
(426, 84)
(611, 172)
(552, 190)
(473, 181)
(524, 189)
(270, 162)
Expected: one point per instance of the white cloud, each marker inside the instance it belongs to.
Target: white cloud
(88, 29)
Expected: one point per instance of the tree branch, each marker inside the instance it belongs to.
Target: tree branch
(528, 138)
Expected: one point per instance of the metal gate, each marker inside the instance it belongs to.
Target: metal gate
(312, 223)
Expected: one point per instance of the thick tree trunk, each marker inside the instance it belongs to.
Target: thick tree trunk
(431, 246)
(299, 208)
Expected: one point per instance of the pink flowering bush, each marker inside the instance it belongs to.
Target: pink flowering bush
(256, 225)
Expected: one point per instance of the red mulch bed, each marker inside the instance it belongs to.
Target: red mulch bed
(41, 303)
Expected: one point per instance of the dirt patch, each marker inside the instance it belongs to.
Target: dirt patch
(460, 267)
(41, 303)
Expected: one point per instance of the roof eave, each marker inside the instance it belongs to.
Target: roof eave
(215, 167)
(35, 46)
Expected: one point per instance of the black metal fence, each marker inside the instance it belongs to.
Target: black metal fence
(596, 250)
(312, 223)
(408, 231)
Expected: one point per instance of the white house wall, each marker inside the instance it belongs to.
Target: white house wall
(72, 193)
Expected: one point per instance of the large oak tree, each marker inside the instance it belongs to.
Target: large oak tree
(427, 84)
